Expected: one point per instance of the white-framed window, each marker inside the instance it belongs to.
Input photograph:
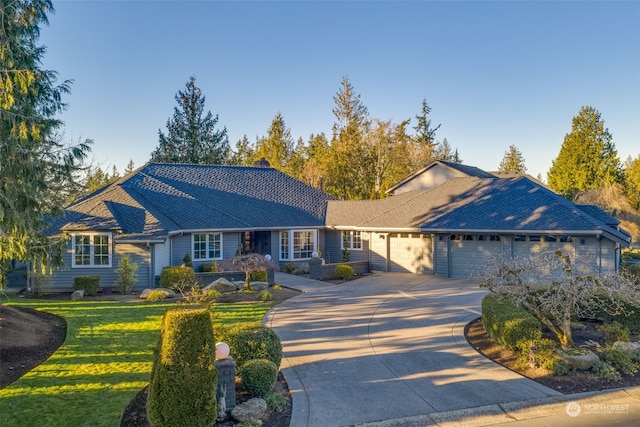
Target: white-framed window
(206, 246)
(352, 240)
(91, 250)
(297, 244)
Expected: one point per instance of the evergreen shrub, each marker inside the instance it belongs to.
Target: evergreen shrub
(258, 376)
(180, 278)
(259, 276)
(184, 379)
(507, 323)
(249, 341)
(344, 271)
(89, 284)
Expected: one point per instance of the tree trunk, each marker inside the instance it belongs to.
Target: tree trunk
(247, 280)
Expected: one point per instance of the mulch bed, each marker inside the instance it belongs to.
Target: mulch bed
(575, 382)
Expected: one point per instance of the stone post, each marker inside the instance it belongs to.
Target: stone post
(315, 268)
(227, 378)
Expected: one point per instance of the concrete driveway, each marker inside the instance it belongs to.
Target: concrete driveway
(387, 347)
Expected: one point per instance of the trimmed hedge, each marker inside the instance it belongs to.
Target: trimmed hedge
(507, 323)
(249, 341)
(89, 284)
(258, 376)
(178, 278)
(184, 379)
(630, 321)
(344, 271)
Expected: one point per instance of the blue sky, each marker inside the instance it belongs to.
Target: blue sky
(494, 73)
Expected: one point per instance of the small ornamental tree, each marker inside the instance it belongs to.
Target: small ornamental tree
(553, 289)
(248, 263)
(127, 272)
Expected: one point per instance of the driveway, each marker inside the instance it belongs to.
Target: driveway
(387, 346)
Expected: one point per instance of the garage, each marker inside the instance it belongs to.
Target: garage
(411, 252)
(470, 254)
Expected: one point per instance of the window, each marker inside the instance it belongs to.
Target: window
(91, 250)
(352, 240)
(520, 238)
(550, 239)
(494, 238)
(297, 244)
(534, 238)
(207, 246)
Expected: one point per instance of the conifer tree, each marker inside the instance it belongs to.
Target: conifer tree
(35, 165)
(588, 158)
(513, 161)
(277, 146)
(192, 136)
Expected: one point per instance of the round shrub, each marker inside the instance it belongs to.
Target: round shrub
(184, 379)
(344, 271)
(253, 341)
(258, 376)
(180, 278)
(155, 296)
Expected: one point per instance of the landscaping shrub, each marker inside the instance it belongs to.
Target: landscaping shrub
(277, 401)
(198, 296)
(630, 319)
(179, 278)
(344, 271)
(288, 267)
(507, 323)
(621, 360)
(607, 372)
(209, 268)
(184, 379)
(259, 276)
(127, 274)
(258, 376)
(155, 296)
(253, 341)
(265, 296)
(614, 332)
(542, 355)
(89, 284)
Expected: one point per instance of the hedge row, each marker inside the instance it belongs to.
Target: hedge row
(507, 323)
(89, 284)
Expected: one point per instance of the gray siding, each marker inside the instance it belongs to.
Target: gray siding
(162, 257)
(62, 280)
(440, 255)
(180, 245)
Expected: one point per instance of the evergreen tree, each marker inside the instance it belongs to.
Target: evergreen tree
(447, 154)
(192, 138)
(588, 158)
(277, 146)
(244, 154)
(632, 181)
(426, 146)
(349, 157)
(34, 164)
(130, 167)
(513, 161)
(317, 158)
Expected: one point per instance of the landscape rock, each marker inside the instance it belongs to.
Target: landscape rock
(168, 293)
(627, 347)
(250, 411)
(76, 295)
(583, 360)
(259, 286)
(221, 285)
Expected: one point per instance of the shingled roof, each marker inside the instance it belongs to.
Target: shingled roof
(161, 198)
(472, 204)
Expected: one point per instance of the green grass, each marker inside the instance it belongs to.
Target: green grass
(105, 360)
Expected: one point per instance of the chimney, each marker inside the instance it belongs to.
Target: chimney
(262, 163)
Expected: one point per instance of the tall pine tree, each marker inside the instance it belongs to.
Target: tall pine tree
(588, 158)
(192, 136)
(35, 165)
(277, 146)
(513, 161)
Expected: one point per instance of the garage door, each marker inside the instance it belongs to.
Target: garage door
(524, 246)
(411, 252)
(470, 254)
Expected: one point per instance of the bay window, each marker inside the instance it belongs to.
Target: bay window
(297, 244)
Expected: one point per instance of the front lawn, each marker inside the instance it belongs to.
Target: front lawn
(105, 360)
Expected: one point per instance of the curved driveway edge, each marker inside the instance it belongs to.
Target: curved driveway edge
(387, 347)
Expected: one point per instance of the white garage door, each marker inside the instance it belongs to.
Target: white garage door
(411, 252)
(524, 246)
(470, 254)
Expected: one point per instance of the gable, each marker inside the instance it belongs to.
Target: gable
(435, 174)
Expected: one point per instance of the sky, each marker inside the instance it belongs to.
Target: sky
(495, 74)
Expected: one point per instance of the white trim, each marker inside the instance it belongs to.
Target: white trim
(206, 243)
(290, 244)
(351, 240)
(91, 246)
